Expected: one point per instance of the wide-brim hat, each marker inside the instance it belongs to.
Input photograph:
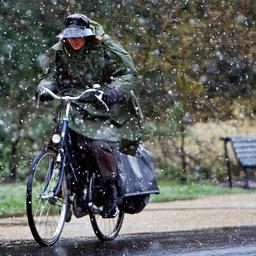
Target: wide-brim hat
(74, 31)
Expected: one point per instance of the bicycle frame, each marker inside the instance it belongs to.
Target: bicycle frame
(64, 159)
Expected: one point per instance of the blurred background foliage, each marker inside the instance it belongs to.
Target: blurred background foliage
(196, 60)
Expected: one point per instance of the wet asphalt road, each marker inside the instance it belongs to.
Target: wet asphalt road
(207, 242)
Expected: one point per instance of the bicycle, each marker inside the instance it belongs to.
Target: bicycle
(52, 185)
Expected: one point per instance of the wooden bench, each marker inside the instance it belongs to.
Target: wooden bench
(244, 148)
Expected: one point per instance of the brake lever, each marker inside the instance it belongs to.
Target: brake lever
(38, 101)
(99, 98)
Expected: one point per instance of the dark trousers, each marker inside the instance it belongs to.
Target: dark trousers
(94, 155)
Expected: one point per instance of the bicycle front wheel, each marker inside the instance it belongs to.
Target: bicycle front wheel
(46, 211)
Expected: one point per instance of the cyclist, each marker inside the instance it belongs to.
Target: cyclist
(84, 56)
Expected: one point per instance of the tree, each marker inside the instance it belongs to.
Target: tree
(196, 53)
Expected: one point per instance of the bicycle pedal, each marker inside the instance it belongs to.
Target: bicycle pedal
(111, 216)
(94, 208)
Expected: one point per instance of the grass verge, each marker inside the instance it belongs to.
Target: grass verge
(170, 191)
(12, 199)
(12, 196)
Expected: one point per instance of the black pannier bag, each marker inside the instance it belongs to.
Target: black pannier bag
(134, 204)
(137, 179)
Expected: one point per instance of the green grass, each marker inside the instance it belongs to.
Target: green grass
(12, 199)
(12, 196)
(170, 191)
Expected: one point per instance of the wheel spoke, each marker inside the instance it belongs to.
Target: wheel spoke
(46, 214)
(105, 228)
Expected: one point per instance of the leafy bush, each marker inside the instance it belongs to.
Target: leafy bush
(168, 170)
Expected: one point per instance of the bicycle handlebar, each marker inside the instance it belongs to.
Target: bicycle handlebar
(98, 96)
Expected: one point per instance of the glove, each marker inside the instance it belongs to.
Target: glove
(111, 96)
(43, 96)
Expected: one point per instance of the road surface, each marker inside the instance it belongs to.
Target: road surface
(216, 225)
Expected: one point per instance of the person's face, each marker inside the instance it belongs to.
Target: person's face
(77, 43)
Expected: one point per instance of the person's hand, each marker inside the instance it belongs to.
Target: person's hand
(111, 96)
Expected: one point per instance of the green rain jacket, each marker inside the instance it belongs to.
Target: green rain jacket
(70, 72)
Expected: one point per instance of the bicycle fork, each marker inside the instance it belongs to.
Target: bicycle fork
(61, 159)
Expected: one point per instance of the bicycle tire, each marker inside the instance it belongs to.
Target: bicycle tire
(106, 229)
(46, 213)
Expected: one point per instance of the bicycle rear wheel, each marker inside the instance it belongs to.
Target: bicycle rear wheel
(46, 212)
(106, 229)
